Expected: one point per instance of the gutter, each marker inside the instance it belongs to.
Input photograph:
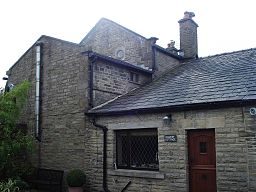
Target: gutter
(111, 60)
(182, 107)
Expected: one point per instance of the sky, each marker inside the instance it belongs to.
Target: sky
(224, 25)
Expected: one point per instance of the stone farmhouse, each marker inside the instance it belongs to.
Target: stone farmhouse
(139, 117)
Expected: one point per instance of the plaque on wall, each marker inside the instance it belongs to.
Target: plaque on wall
(170, 138)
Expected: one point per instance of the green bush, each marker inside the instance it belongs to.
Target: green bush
(22, 185)
(15, 144)
(75, 178)
(9, 186)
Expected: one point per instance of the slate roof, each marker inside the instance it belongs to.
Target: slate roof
(225, 77)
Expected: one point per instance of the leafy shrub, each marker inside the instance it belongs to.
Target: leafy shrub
(75, 178)
(9, 186)
(14, 143)
(22, 185)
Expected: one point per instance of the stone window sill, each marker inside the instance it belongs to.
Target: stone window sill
(137, 173)
(136, 83)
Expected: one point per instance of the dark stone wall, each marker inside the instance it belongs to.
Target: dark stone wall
(188, 38)
(108, 38)
(64, 84)
(235, 149)
(113, 80)
(164, 63)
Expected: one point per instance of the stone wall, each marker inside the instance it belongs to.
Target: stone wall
(64, 85)
(164, 63)
(250, 137)
(235, 150)
(108, 37)
(188, 38)
(113, 80)
(64, 90)
(24, 69)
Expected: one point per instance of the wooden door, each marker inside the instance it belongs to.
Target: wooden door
(202, 160)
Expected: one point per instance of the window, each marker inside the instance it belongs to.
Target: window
(134, 77)
(202, 147)
(137, 149)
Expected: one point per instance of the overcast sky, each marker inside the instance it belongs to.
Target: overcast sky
(224, 25)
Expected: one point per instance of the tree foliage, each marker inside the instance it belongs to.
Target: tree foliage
(14, 143)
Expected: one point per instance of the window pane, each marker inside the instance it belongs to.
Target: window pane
(137, 149)
(131, 76)
(136, 78)
(144, 152)
(202, 147)
(122, 149)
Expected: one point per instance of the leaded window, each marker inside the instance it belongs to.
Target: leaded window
(137, 149)
(134, 77)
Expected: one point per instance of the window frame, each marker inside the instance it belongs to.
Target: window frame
(134, 77)
(129, 133)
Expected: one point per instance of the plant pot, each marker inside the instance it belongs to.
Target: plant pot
(75, 189)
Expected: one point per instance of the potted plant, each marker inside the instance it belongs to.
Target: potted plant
(75, 179)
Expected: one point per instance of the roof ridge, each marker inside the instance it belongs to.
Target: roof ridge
(58, 39)
(103, 18)
(38, 40)
(108, 20)
(227, 53)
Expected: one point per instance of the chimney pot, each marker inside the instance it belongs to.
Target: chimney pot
(153, 40)
(189, 15)
(171, 44)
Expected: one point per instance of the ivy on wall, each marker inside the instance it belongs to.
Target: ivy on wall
(15, 144)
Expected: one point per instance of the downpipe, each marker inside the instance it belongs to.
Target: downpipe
(38, 100)
(92, 60)
(38, 90)
(105, 130)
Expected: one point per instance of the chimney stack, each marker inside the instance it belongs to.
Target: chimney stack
(188, 36)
